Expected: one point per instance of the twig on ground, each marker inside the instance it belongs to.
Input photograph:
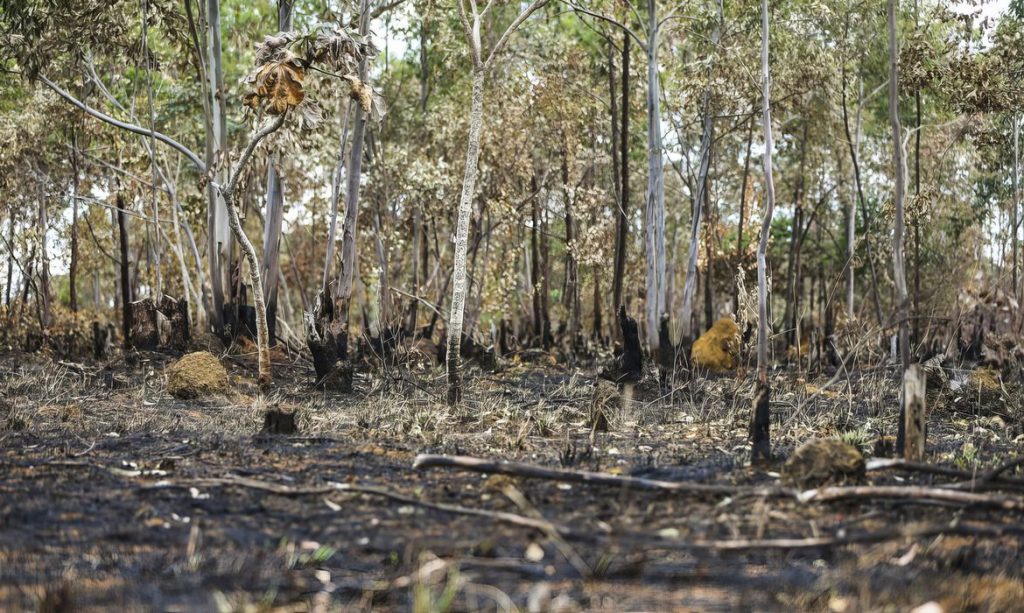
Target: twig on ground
(911, 493)
(531, 471)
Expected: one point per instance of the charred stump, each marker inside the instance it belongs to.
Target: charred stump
(100, 339)
(760, 435)
(144, 332)
(322, 340)
(278, 421)
(175, 335)
(666, 350)
(628, 367)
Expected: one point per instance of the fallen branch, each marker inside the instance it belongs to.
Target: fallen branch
(634, 539)
(911, 493)
(531, 471)
(331, 488)
(992, 479)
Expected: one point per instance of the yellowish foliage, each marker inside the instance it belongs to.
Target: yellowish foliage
(718, 349)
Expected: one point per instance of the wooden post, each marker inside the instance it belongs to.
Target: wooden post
(914, 410)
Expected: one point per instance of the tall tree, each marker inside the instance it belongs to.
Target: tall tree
(471, 23)
(761, 421)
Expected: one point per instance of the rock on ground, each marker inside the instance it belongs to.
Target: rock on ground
(195, 375)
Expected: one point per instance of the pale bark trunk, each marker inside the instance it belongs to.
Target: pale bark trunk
(349, 257)
(700, 202)
(853, 141)
(453, 356)
(218, 248)
(157, 251)
(275, 206)
(654, 213)
(762, 417)
(899, 167)
(336, 177)
(1015, 205)
(743, 207)
(44, 259)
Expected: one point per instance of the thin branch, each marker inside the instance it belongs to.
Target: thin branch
(531, 471)
(618, 24)
(167, 140)
(523, 16)
(263, 132)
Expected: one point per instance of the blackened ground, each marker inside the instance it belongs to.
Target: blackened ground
(96, 510)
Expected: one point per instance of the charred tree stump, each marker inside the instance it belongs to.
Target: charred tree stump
(760, 425)
(145, 330)
(99, 340)
(322, 340)
(628, 367)
(177, 330)
(666, 350)
(911, 442)
(277, 421)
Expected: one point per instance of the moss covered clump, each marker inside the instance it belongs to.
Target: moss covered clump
(823, 461)
(718, 349)
(196, 375)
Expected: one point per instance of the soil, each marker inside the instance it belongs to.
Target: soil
(131, 499)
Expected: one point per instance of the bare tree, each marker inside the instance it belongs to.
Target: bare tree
(471, 23)
(759, 430)
(700, 202)
(900, 170)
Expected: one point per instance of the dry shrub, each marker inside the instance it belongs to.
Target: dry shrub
(195, 375)
(718, 349)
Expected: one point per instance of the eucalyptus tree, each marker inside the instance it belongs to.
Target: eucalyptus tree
(900, 187)
(654, 208)
(761, 419)
(472, 22)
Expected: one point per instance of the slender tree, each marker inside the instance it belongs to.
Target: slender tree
(760, 424)
(471, 22)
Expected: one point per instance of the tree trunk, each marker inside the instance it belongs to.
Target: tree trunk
(854, 142)
(272, 243)
(622, 219)
(654, 211)
(572, 293)
(743, 207)
(700, 203)
(791, 317)
(1016, 199)
(274, 217)
(73, 268)
(262, 333)
(760, 424)
(349, 257)
(899, 167)
(219, 245)
(454, 331)
(43, 294)
(126, 297)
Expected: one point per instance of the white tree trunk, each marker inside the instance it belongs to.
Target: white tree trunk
(654, 211)
(698, 205)
(763, 325)
(899, 167)
(476, 120)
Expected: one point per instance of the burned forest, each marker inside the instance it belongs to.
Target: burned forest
(547, 305)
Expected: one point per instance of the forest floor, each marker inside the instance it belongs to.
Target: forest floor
(134, 500)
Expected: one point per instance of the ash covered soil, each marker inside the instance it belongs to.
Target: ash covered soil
(132, 499)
